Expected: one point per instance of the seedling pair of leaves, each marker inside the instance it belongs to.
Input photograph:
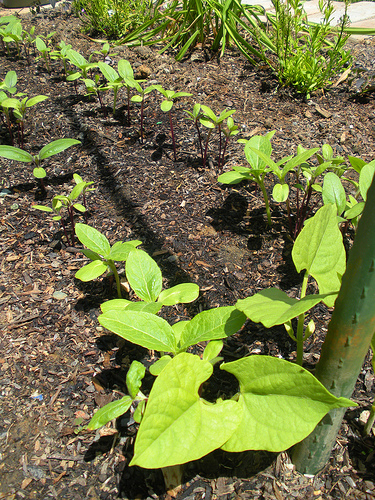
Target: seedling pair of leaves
(319, 250)
(62, 201)
(55, 147)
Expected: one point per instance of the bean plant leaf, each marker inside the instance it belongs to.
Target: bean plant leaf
(56, 147)
(334, 192)
(109, 412)
(178, 426)
(179, 294)
(159, 365)
(122, 304)
(142, 328)
(134, 378)
(35, 100)
(281, 401)
(320, 250)
(233, 177)
(260, 143)
(274, 307)
(212, 324)
(212, 349)
(91, 271)
(110, 74)
(144, 275)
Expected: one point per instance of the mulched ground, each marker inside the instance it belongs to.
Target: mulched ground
(57, 364)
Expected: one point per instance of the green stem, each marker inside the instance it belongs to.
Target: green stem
(347, 341)
(301, 321)
(265, 196)
(112, 266)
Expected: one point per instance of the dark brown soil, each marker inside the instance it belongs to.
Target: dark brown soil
(58, 364)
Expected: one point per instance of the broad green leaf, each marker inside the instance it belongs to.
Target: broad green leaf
(134, 378)
(35, 100)
(212, 324)
(166, 106)
(280, 192)
(40, 45)
(11, 102)
(122, 304)
(90, 254)
(114, 304)
(39, 173)
(79, 207)
(179, 294)
(109, 412)
(17, 154)
(232, 177)
(159, 365)
(281, 401)
(125, 70)
(212, 349)
(120, 250)
(76, 58)
(56, 147)
(178, 328)
(334, 192)
(142, 328)
(10, 79)
(110, 74)
(356, 163)
(178, 426)
(260, 143)
(274, 307)
(77, 190)
(298, 160)
(144, 275)
(354, 211)
(92, 239)
(43, 208)
(320, 250)
(91, 271)
(365, 179)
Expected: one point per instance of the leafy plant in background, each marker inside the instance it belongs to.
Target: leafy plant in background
(104, 52)
(77, 60)
(44, 50)
(306, 57)
(69, 203)
(319, 250)
(127, 77)
(140, 98)
(214, 24)
(166, 107)
(94, 88)
(101, 253)
(113, 79)
(20, 107)
(12, 32)
(51, 149)
(8, 85)
(112, 17)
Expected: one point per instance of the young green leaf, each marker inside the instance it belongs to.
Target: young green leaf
(109, 412)
(144, 275)
(212, 349)
(93, 239)
(212, 324)
(159, 365)
(134, 378)
(142, 328)
(175, 411)
(320, 250)
(56, 147)
(120, 250)
(12, 153)
(91, 271)
(179, 294)
(334, 192)
(281, 401)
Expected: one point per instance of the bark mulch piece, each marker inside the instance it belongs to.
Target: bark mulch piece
(58, 364)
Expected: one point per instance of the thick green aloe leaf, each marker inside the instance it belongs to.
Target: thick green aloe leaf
(109, 412)
(212, 324)
(142, 328)
(281, 401)
(144, 275)
(274, 307)
(91, 271)
(92, 239)
(320, 250)
(179, 294)
(134, 377)
(178, 426)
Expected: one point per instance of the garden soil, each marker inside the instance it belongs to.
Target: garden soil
(58, 365)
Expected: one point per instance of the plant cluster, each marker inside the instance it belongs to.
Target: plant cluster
(309, 179)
